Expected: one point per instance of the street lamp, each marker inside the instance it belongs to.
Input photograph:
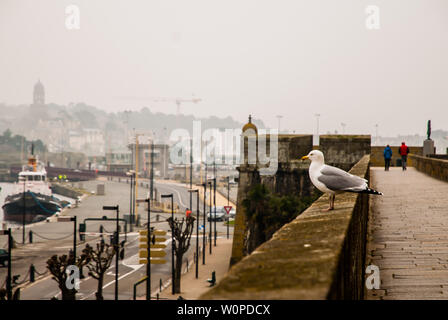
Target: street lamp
(214, 204)
(210, 224)
(228, 203)
(170, 195)
(197, 231)
(115, 208)
(69, 219)
(131, 173)
(148, 249)
(24, 210)
(8, 278)
(204, 185)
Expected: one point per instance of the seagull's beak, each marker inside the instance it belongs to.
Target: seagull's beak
(304, 158)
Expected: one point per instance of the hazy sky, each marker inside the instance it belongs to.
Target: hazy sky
(265, 57)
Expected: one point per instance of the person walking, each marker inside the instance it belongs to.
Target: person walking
(403, 151)
(387, 157)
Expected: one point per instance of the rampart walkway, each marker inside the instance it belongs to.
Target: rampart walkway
(408, 235)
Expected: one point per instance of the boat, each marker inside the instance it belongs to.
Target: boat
(32, 199)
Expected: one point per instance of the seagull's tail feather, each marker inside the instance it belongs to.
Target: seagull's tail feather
(371, 191)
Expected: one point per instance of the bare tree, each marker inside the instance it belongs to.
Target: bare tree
(57, 265)
(99, 262)
(181, 243)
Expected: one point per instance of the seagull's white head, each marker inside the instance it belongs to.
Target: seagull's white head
(315, 155)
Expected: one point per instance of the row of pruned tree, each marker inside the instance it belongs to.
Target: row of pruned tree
(98, 260)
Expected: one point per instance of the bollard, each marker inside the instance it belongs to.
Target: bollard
(81, 275)
(157, 296)
(31, 236)
(32, 271)
(160, 285)
(157, 217)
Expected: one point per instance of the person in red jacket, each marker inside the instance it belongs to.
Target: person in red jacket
(403, 151)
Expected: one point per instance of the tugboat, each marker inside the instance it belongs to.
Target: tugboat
(32, 199)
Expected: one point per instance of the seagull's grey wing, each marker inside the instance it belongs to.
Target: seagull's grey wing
(338, 180)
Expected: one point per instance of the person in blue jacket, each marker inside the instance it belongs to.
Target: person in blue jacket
(387, 157)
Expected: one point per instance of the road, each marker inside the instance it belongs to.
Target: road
(129, 269)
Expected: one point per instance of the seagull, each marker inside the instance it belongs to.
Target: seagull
(333, 180)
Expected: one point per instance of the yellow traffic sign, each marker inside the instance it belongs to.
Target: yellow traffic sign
(143, 240)
(153, 246)
(154, 254)
(153, 261)
(155, 232)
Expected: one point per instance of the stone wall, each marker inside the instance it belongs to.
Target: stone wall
(377, 157)
(291, 177)
(343, 151)
(65, 191)
(319, 255)
(436, 168)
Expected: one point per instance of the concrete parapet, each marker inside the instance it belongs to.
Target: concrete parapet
(319, 255)
(436, 168)
(343, 151)
(377, 155)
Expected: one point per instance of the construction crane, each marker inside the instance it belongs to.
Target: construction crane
(178, 101)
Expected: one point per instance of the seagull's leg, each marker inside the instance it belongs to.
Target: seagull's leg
(331, 199)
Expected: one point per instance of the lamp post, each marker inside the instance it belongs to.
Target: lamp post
(116, 208)
(148, 264)
(148, 248)
(204, 185)
(8, 277)
(131, 173)
(210, 224)
(170, 195)
(197, 230)
(214, 205)
(228, 203)
(24, 210)
(69, 219)
(191, 172)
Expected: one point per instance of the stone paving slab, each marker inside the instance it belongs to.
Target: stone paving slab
(408, 235)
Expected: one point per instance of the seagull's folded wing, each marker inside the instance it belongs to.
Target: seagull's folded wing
(338, 180)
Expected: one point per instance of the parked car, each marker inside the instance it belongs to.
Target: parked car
(3, 257)
(220, 215)
(232, 213)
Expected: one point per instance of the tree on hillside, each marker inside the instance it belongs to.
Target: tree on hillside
(182, 237)
(99, 262)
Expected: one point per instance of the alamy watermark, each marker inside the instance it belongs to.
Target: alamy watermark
(72, 281)
(373, 17)
(226, 146)
(373, 281)
(72, 18)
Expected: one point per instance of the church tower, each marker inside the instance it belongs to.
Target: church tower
(39, 94)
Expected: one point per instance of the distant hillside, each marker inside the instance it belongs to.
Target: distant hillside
(59, 124)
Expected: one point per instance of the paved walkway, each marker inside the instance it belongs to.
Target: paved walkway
(408, 235)
(192, 288)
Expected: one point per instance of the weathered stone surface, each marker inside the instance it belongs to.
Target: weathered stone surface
(344, 151)
(319, 255)
(436, 168)
(408, 235)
